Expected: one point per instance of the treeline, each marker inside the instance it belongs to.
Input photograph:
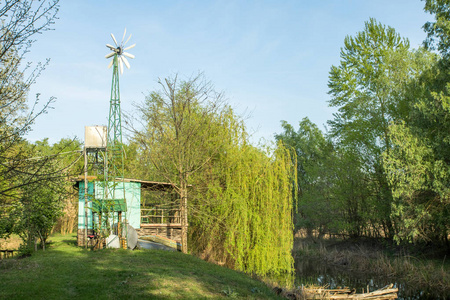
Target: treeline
(382, 167)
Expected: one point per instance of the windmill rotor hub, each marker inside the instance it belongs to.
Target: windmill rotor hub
(119, 51)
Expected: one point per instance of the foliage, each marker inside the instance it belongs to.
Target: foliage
(180, 125)
(313, 155)
(240, 196)
(244, 210)
(382, 170)
(367, 85)
(21, 21)
(332, 194)
(369, 88)
(438, 32)
(41, 203)
(418, 165)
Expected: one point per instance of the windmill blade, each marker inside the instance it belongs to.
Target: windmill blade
(121, 66)
(124, 33)
(128, 48)
(111, 47)
(110, 55)
(127, 40)
(111, 63)
(128, 55)
(114, 39)
(125, 61)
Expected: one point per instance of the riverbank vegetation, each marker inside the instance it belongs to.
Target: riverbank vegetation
(374, 263)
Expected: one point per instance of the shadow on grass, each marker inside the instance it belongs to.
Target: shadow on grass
(70, 242)
(68, 271)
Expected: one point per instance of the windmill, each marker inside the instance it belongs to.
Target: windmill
(114, 157)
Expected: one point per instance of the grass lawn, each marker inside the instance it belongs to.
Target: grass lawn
(67, 271)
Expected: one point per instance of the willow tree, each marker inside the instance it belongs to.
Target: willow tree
(244, 215)
(240, 196)
(179, 136)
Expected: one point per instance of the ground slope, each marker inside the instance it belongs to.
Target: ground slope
(67, 271)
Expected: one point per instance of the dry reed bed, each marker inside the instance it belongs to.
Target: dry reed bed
(424, 274)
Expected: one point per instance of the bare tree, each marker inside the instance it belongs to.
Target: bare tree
(20, 22)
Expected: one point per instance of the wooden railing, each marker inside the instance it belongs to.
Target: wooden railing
(160, 216)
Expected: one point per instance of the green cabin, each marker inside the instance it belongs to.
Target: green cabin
(149, 217)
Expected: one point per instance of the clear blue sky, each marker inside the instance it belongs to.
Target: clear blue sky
(271, 58)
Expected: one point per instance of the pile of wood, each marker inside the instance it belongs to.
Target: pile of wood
(310, 293)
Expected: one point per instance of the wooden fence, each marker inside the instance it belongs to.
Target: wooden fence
(160, 216)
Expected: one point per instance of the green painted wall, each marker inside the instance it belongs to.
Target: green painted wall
(81, 213)
(132, 196)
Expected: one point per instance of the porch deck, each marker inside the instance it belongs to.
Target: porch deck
(165, 222)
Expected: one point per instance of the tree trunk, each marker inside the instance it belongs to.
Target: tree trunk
(184, 219)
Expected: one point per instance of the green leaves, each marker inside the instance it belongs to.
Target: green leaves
(240, 200)
(438, 32)
(367, 85)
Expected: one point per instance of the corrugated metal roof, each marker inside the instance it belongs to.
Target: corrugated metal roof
(144, 183)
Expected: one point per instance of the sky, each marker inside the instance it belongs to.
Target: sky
(270, 58)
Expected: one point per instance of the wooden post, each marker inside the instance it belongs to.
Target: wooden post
(184, 220)
(85, 199)
(119, 231)
(99, 234)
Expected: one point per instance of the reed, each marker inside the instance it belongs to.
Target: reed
(425, 274)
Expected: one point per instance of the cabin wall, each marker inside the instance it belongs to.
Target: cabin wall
(133, 197)
(81, 214)
(95, 189)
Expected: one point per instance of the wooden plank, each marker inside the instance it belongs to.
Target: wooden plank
(161, 225)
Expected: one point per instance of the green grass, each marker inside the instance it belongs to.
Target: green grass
(66, 271)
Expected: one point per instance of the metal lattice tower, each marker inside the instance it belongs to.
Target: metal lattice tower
(114, 201)
(115, 166)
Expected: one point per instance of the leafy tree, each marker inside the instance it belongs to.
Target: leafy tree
(40, 203)
(438, 32)
(368, 87)
(240, 207)
(179, 126)
(242, 204)
(313, 154)
(418, 165)
(21, 21)
(38, 210)
(333, 197)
